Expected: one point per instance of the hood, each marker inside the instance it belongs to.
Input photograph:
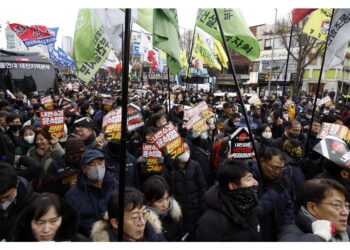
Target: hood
(99, 232)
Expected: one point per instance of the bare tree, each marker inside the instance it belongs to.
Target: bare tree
(309, 48)
(186, 41)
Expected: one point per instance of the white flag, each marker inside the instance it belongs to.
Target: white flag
(339, 37)
(113, 21)
(111, 61)
(145, 45)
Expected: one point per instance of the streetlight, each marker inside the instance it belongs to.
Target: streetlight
(273, 46)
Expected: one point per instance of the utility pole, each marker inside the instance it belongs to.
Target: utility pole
(273, 47)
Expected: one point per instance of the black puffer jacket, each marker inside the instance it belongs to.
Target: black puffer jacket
(188, 186)
(66, 232)
(8, 216)
(222, 222)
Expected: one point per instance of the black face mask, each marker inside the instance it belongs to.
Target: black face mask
(293, 135)
(15, 127)
(245, 198)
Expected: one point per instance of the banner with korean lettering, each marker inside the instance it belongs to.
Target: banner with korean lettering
(135, 119)
(241, 146)
(237, 33)
(198, 124)
(202, 108)
(326, 100)
(153, 155)
(168, 138)
(33, 35)
(85, 68)
(112, 125)
(332, 129)
(54, 120)
(107, 104)
(47, 102)
(25, 66)
(254, 99)
(68, 105)
(317, 25)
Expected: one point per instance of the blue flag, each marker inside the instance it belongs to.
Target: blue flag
(53, 31)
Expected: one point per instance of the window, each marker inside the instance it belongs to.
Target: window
(268, 44)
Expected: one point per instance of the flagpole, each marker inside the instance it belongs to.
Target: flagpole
(237, 87)
(318, 88)
(286, 71)
(124, 122)
(168, 91)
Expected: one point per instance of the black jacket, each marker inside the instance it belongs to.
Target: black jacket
(66, 232)
(222, 222)
(8, 216)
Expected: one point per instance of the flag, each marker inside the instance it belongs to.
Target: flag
(32, 35)
(184, 62)
(83, 42)
(318, 24)
(145, 19)
(237, 33)
(298, 14)
(145, 45)
(339, 36)
(152, 58)
(67, 60)
(166, 36)
(202, 51)
(100, 47)
(54, 32)
(219, 50)
(111, 62)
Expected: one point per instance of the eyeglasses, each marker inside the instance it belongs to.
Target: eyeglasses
(275, 168)
(137, 218)
(338, 206)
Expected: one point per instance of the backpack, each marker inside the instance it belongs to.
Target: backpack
(219, 149)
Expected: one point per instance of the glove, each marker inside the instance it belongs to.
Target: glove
(280, 184)
(323, 228)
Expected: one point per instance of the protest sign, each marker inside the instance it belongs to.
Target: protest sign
(54, 120)
(326, 100)
(47, 102)
(112, 125)
(241, 146)
(254, 99)
(202, 108)
(152, 154)
(198, 124)
(167, 137)
(135, 119)
(107, 104)
(334, 130)
(334, 149)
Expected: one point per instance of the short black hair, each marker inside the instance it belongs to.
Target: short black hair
(261, 128)
(11, 117)
(290, 123)
(132, 198)
(155, 117)
(154, 188)
(8, 177)
(271, 152)
(4, 103)
(231, 171)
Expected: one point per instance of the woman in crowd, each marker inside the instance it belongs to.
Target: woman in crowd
(26, 140)
(263, 138)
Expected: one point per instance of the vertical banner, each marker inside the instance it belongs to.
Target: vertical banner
(111, 125)
(152, 154)
(53, 120)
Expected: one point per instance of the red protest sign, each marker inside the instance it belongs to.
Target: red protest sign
(135, 119)
(241, 147)
(202, 108)
(111, 125)
(107, 104)
(54, 120)
(198, 124)
(168, 137)
(47, 102)
(152, 154)
(151, 151)
(332, 129)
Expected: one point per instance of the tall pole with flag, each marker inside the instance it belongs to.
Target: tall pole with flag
(273, 47)
(125, 86)
(236, 85)
(318, 86)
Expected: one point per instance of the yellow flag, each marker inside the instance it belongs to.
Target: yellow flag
(219, 50)
(184, 62)
(318, 24)
(203, 52)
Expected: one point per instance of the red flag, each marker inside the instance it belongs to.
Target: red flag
(298, 14)
(152, 59)
(118, 68)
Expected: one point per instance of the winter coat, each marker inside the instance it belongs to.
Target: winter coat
(7, 149)
(261, 144)
(169, 224)
(188, 187)
(222, 221)
(22, 147)
(301, 231)
(102, 231)
(90, 201)
(90, 142)
(278, 143)
(66, 232)
(30, 167)
(112, 162)
(8, 216)
(301, 117)
(277, 207)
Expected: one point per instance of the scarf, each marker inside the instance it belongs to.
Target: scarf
(339, 237)
(245, 198)
(160, 213)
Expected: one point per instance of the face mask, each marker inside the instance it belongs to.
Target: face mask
(267, 135)
(6, 204)
(164, 123)
(29, 138)
(184, 157)
(92, 111)
(269, 120)
(245, 198)
(96, 174)
(308, 116)
(15, 127)
(293, 135)
(204, 135)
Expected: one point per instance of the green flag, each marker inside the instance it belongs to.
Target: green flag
(95, 42)
(237, 33)
(166, 36)
(145, 19)
(83, 37)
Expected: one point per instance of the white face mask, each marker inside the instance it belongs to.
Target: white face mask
(267, 135)
(29, 138)
(269, 120)
(96, 174)
(184, 157)
(92, 111)
(204, 135)
(6, 204)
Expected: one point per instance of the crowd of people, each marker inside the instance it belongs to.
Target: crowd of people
(67, 188)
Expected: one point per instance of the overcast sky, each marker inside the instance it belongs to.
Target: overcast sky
(63, 13)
